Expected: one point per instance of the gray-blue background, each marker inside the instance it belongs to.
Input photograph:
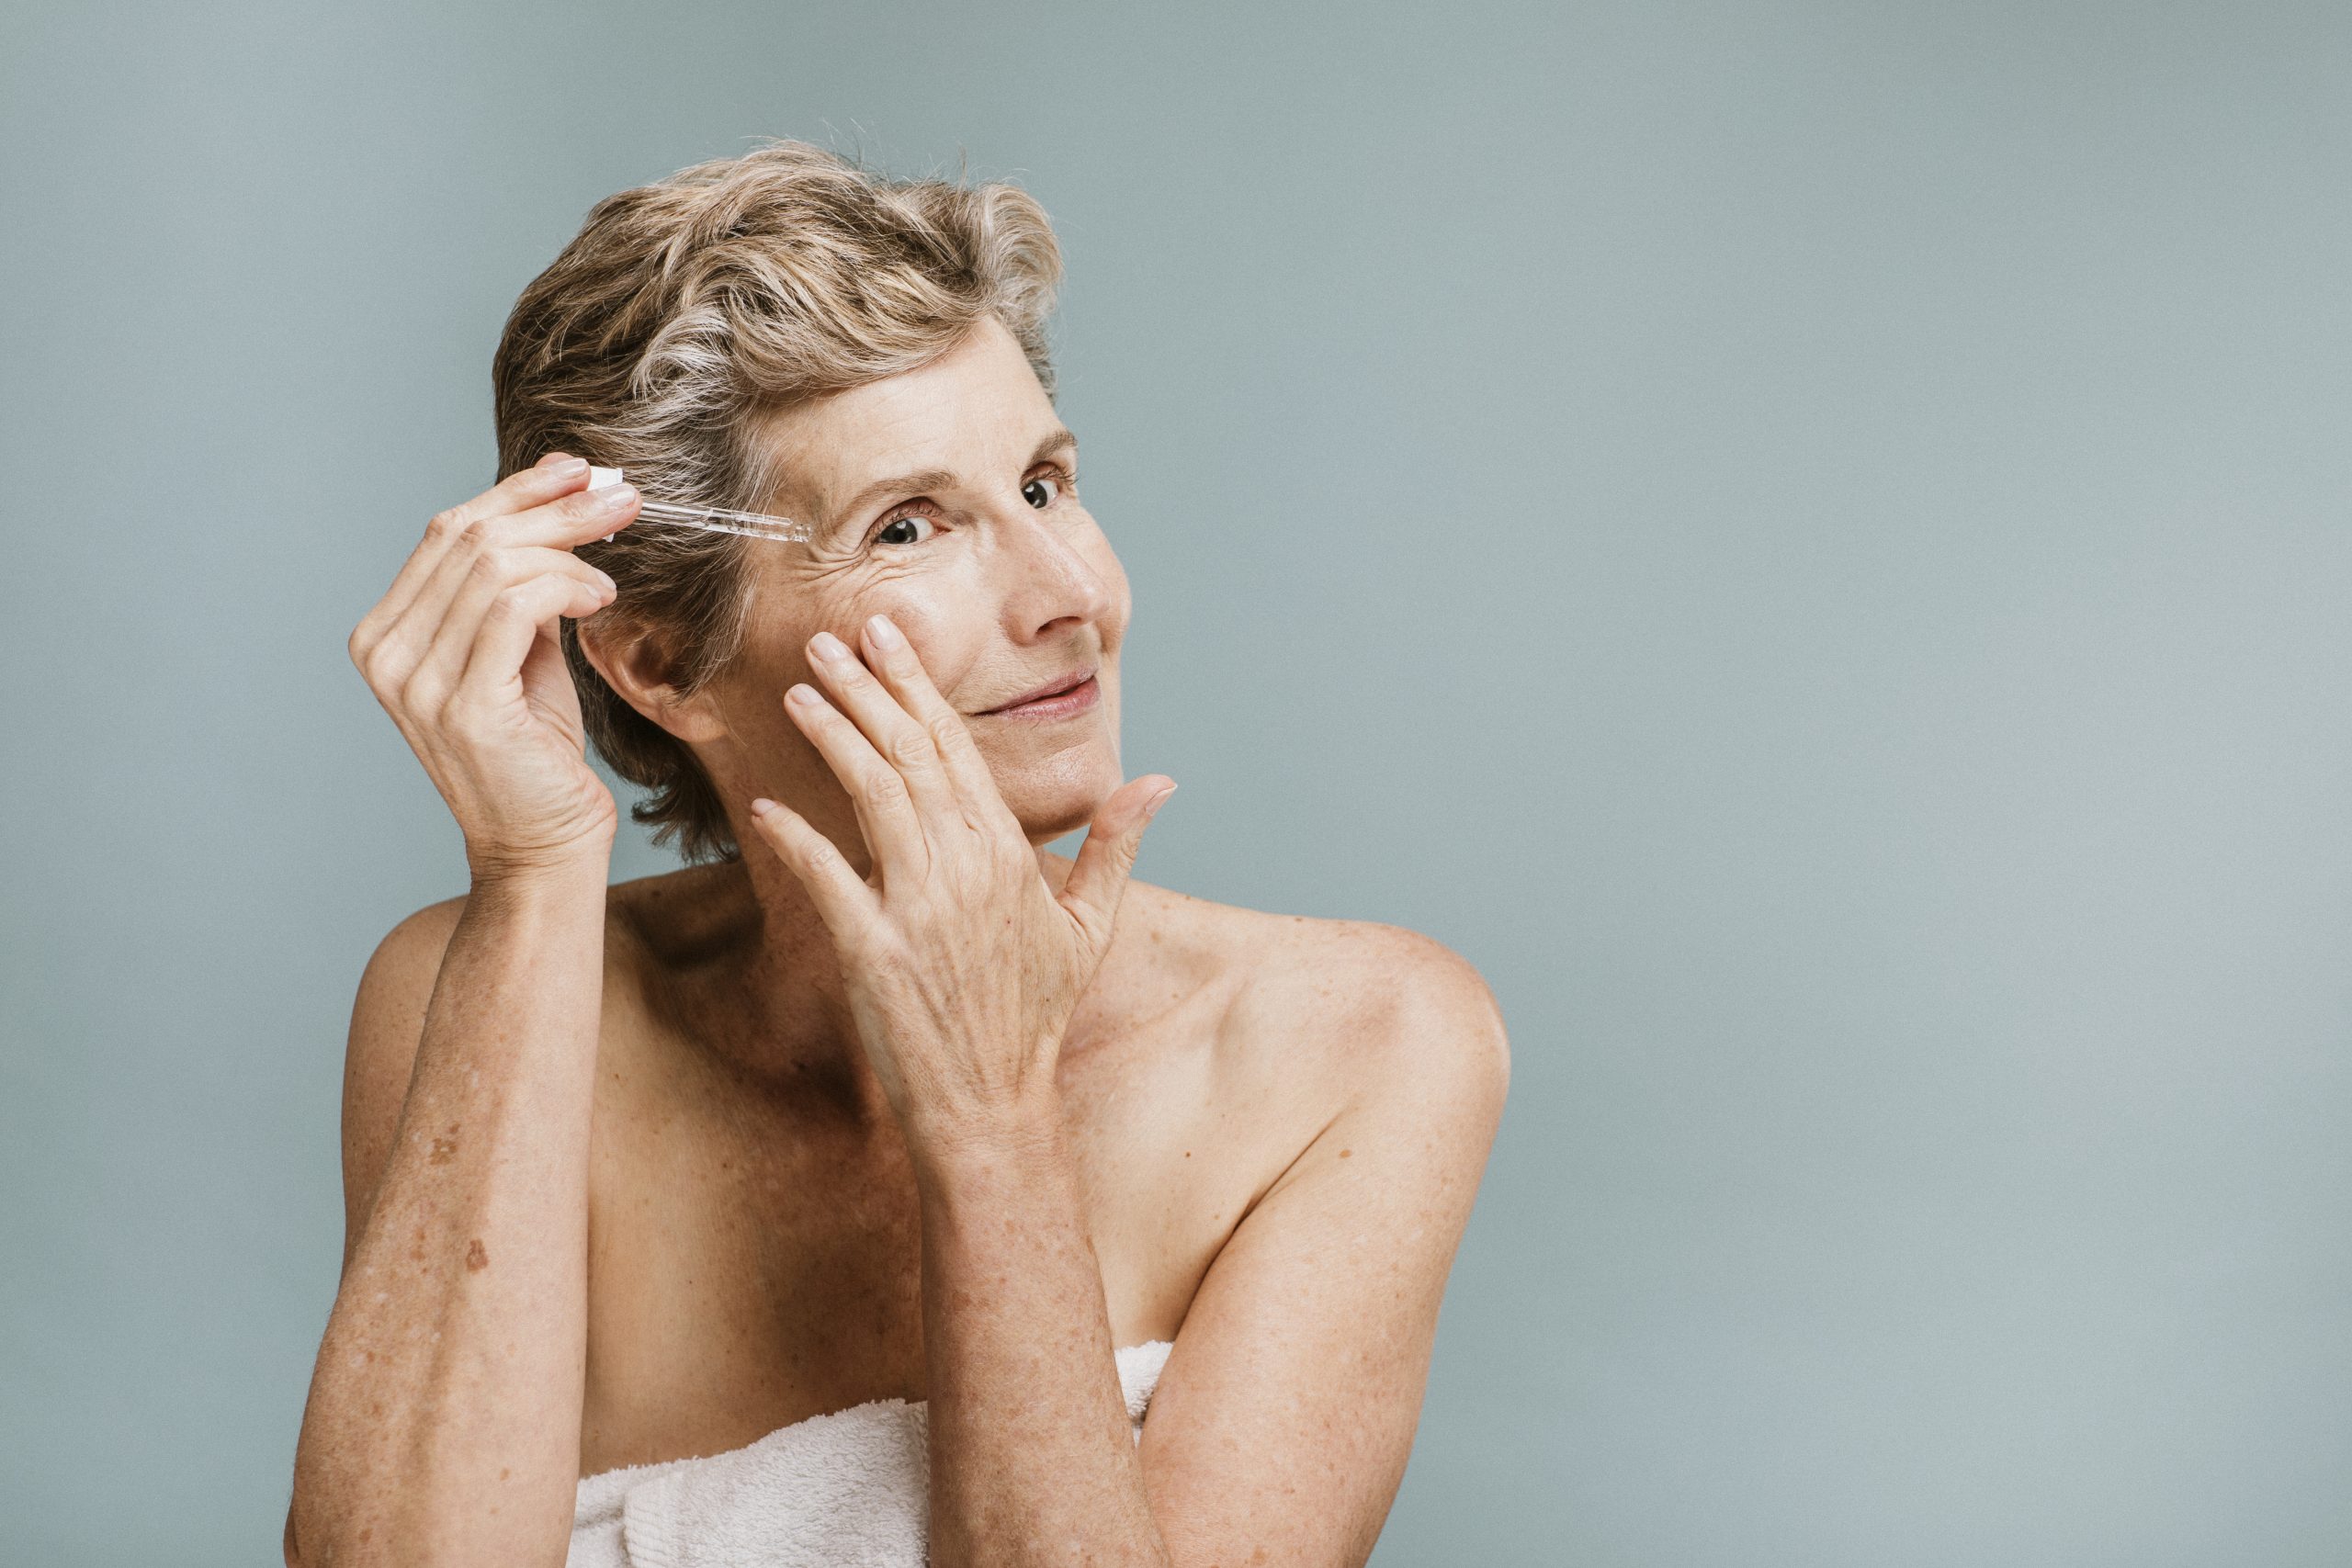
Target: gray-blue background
(1809, 542)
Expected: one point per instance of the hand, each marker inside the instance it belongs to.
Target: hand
(961, 965)
(462, 653)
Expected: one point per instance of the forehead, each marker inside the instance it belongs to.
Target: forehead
(960, 412)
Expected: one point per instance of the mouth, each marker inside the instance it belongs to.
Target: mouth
(1074, 692)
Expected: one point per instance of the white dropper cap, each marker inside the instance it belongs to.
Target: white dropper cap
(598, 479)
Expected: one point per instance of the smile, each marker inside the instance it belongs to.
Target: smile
(1075, 699)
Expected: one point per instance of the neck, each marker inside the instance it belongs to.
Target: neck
(775, 1008)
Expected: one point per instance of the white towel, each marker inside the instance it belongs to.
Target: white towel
(849, 1490)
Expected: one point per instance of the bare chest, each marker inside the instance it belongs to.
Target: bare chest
(756, 1255)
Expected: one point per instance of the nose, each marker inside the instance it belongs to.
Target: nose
(1051, 587)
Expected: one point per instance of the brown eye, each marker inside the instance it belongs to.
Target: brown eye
(1031, 490)
(884, 536)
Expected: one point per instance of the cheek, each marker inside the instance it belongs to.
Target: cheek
(938, 625)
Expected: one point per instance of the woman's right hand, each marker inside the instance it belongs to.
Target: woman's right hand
(462, 651)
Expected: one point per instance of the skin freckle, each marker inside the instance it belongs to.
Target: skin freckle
(1345, 1153)
(477, 1258)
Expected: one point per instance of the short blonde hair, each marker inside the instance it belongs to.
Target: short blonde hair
(685, 311)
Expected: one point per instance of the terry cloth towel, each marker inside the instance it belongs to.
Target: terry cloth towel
(849, 1490)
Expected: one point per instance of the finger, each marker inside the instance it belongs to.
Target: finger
(450, 648)
(885, 813)
(513, 623)
(571, 519)
(463, 588)
(565, 522)
(554, 476)
(1098, 879)
(892, 731)
(899, 667)
(844, 900)
(557, 474)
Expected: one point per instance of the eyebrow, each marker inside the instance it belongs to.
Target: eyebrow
(1056, 440)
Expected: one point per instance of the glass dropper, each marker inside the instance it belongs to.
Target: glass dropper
(711, 519)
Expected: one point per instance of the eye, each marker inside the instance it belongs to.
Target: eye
(1030, 492)
(904, 520)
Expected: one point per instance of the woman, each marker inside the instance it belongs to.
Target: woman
(877, 1098)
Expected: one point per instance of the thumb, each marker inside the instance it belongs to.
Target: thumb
(1098, 878)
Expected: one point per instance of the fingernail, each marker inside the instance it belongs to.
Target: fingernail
(761, 806)
(568, 467)
(613, 497)
(610, 586)
(802, 693)
(884, 634)
(1157, 802)
(828, 646)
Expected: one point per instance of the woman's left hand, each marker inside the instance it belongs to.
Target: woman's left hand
(962, 966)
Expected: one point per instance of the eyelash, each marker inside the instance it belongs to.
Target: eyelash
(1063, 475)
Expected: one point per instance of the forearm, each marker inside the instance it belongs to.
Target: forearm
(444, 1418)
(1033, 1459)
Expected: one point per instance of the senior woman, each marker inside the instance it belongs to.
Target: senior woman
(876, 1100)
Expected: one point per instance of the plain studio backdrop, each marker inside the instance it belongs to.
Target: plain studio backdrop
(1808, 542)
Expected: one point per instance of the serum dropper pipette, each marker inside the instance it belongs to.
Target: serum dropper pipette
(710, 519)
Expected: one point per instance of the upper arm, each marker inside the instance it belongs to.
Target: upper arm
(387, 1025)
(1282, 1421)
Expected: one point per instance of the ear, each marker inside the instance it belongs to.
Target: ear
(634, 661)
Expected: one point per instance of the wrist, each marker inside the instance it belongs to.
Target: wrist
(947, 1143)
(525, 875)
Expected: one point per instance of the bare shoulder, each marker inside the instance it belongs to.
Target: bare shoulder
(387, 1015)
(380, 1056)
(388, 1018)
(1348, 1011)
(1373, 1060)
(397, 985)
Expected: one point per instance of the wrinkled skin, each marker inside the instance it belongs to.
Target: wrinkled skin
(1001, 583)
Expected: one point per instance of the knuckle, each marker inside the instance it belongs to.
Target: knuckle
(383, 666)
(443, 524)
(487, 566)
(910, 749)
(513, 604)
(886, 788)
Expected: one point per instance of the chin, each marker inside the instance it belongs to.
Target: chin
(1059, 802)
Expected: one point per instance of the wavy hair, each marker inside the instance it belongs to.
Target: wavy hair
(686, 312)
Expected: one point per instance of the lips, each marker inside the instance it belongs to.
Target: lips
(1050, 689)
